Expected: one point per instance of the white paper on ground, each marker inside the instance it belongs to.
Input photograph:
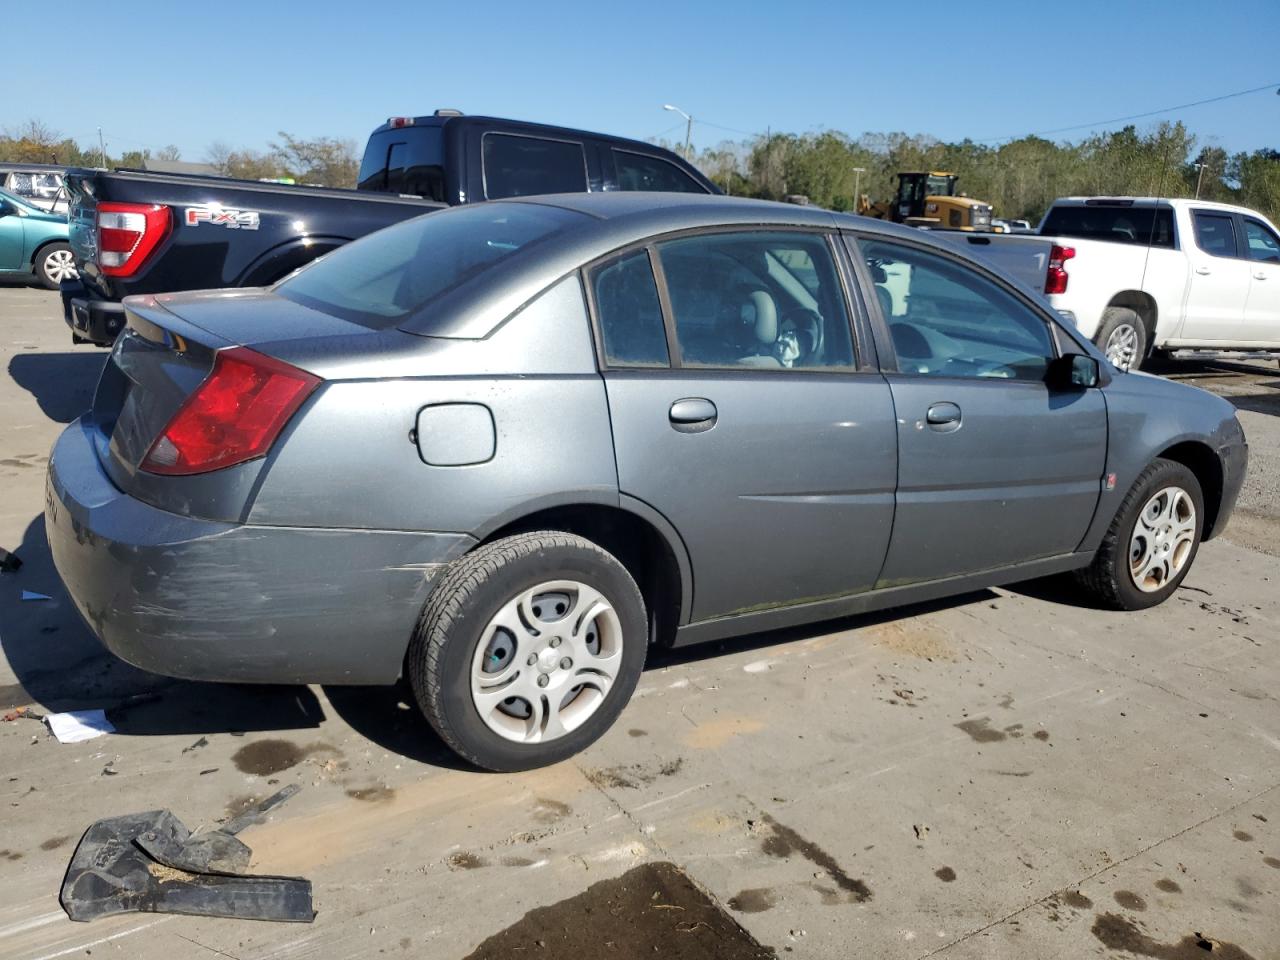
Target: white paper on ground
(79, 725)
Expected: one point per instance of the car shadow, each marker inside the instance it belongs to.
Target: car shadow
(1259, 403)
(60, 665)
(62, 383)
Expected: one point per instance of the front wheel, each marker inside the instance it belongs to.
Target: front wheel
(54, 264)
(528, 649)
(1152, 541)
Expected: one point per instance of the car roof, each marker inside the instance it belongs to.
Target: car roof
(1152, 201)
(614, 220)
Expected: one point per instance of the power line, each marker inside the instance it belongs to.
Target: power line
(1135, 116)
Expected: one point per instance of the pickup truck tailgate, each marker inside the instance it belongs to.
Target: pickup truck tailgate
(1023, 257)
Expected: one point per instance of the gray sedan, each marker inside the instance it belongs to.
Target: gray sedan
(504, 449)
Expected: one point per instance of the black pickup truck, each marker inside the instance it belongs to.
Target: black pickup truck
(138, 232)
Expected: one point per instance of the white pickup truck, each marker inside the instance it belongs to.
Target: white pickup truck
(1183, 277)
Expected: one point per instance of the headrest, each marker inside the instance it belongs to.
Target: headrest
(760, 313)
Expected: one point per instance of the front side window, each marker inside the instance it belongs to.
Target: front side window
(1216, 234)
(764, 300)
(527, 166)
(1263, 244)
(629, 312)
(638, 172)
(946, 320)
(383, 278)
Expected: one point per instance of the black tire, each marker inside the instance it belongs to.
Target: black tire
(1109, 578)
(1113, 320)
(469, 593)
(43, 263)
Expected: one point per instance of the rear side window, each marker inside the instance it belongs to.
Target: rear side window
(772, 301)
(629, 312)
(516, 166)
(406, 160)
(383, 278)
(635, 171)
(1119, 224)
(1216, 234)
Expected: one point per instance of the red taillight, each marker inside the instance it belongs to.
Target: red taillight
(1055, 281)
(127, 234)
(233, 416)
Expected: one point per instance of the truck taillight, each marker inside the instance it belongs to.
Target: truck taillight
(1055, 280)
(234, 416)
(128, 233)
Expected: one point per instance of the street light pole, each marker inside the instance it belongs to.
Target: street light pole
(1199, 177)
(857, 180)
(688, 126)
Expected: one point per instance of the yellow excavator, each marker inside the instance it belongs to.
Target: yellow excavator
(929, 199)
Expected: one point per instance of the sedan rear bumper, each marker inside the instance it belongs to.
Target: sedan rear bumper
(207, 600)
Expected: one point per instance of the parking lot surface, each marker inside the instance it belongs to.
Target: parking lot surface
(1002, 774)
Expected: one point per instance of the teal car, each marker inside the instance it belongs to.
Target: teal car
(33, 243)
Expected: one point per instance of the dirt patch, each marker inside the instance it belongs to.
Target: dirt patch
(716, 733)
(11, 855)
(516, 862)
(913, 638)
(549, 811)
(463, 860)
(654, 910)
(169, 874)
(1041, 735)
(1130, 900)
(783, 841)
(1166, 885)
(945, 874)
(1242, 836)
(636, 732)
(378, 793)
(634, 775)
(1117, 932)
(53, 843)
(755, 900)
(1076, 900)
(981, 731)
(262, 758)
(1272, 862)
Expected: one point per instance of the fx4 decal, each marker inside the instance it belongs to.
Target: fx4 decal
(222, 217)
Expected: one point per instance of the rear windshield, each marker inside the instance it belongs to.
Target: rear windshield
(405, 160)
(385, 277)
(1119, 224)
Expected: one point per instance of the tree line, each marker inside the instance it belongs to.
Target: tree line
(1020, 178)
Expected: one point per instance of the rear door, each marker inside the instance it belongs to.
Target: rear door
(994, 467)
(1262, 307)
(1219, 283)
(740, 413)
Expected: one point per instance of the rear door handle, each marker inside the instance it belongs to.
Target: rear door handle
(944, 417)
(1203, 271)
(1259, 275)
(693, 415)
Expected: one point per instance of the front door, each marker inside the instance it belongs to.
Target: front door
(994, 467)
(739, 413)
(1262, 308)
(11, 243)
(1219, 282)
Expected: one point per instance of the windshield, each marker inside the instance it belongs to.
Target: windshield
(385, 277)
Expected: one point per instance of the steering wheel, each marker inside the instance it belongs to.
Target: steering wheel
(807, 325)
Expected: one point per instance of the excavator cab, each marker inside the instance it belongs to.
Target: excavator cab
(915, 188)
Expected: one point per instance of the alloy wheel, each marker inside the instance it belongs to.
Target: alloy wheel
(1122, 346)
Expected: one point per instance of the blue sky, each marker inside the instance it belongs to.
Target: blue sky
(190, 73)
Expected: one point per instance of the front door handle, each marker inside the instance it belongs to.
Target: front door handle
(1259, 275)
(1203, 271)
(944, 417)
(693, 415)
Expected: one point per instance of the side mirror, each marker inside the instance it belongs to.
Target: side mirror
(1073, 371)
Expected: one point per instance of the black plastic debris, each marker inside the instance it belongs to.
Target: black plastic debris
(150, 863)
(9, 562)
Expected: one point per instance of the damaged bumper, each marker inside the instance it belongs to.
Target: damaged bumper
(207, 600)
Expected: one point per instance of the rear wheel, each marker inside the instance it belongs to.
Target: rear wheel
(54, 264)
(1152, 541)
(1122, 336)
(528, 649)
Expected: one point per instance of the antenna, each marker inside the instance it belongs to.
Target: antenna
(1155, 216)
